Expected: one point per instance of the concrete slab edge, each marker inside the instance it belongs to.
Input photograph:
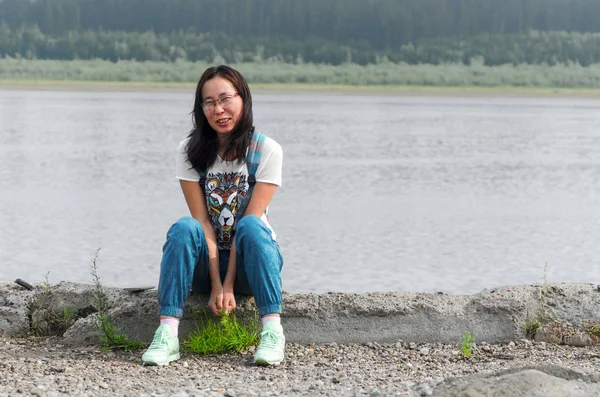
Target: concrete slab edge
(493, 315)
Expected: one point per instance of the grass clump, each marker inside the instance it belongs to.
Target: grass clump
(592, 328)
(110, 335)
(531, 328)
(227, 334)
(542, 316)
(466, 345)
(43, 319)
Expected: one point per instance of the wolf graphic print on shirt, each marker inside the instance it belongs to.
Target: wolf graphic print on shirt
(224, 195)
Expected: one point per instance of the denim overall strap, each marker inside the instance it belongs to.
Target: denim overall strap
(252, 162)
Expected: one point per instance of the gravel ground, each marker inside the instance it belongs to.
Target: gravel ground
(46, 368)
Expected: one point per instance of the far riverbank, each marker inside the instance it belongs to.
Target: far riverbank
(386, 77)
(387, 90)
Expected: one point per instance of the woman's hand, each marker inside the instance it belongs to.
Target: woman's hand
(215, 302)
(221, 302)
(228, 301)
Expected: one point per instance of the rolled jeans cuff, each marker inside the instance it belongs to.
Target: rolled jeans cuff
(171, 311)
(269, 309)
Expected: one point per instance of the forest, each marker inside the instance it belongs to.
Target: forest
(332, 32)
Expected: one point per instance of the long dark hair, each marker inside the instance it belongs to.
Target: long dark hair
(203, 146)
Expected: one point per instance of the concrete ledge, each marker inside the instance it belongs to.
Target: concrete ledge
(492, 315)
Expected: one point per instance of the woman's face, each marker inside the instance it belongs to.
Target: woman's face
(222, 104)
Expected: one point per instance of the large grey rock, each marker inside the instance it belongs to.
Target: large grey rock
(136, 314)
(14, 302)
(536, 381)
(573, 303)
(560, 333)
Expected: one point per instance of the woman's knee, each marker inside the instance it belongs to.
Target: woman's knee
(251, 228)
(185, 228)
(249, 222)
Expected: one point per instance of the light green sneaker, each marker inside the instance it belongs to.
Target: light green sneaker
(164, 347)
(272, 345)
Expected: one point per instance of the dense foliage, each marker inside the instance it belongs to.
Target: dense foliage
(384, 24)
(296, 31)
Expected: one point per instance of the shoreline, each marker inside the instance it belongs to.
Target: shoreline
(388, 90)
(493, 315)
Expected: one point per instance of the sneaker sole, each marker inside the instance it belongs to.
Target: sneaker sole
(265, 363)
(171, 358)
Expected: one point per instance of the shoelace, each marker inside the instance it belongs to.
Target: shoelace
(268, 340)
(158, 339)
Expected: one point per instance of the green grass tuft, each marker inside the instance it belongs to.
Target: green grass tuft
(466, 345)
(110, 335)
(44, 320)
(592, 328)
(531, 328)
(227, 334)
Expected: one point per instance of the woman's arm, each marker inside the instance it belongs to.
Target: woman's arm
(261, 197)
(228, 297)
(231, 269)
(196, 202)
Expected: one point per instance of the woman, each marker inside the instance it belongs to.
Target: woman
(215, 250)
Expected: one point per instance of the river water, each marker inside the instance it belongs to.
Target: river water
(381, 192)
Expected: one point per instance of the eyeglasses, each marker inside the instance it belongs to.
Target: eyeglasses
(210, 104)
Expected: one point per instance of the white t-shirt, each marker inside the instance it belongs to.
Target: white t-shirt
(227, 184)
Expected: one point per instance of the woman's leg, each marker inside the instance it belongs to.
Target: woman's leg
(259, 262)
(201, 283)
(184, 249)
(259, 265)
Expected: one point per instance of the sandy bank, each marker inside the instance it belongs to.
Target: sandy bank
(309, 89)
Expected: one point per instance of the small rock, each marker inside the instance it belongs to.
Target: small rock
(426, 390)
(38, 391)
(57, 368)
(550, 333)
(580, 339)
(424, 351)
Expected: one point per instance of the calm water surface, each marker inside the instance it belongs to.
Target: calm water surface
(381, 193)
